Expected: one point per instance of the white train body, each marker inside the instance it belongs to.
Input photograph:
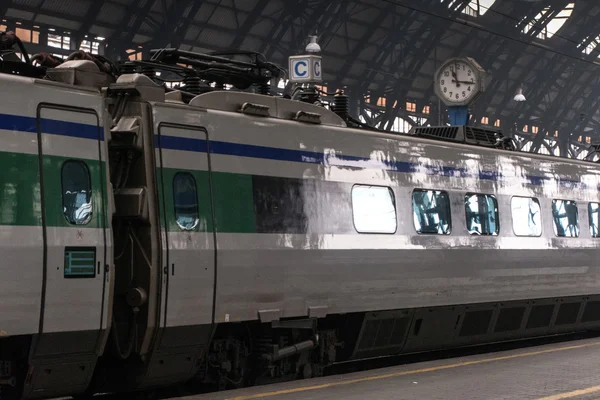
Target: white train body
(202, 226)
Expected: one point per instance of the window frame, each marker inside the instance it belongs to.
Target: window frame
(512, 216)
(496, 214)
(175, 212)
(412, 212)
(62, 188)
(554, 222)
(393, 196)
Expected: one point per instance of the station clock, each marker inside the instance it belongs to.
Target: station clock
(459, 81)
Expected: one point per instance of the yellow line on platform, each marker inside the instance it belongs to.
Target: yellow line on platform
(418, 371)
(575, 393)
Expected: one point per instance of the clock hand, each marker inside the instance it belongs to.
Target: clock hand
(455, 80)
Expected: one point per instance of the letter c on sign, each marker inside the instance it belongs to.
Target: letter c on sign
(317, 69)
(303, 71)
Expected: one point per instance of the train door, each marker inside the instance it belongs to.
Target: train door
(75, 222)
(74, 230)
(186, 219)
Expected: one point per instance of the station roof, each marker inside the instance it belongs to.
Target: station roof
(380, 48)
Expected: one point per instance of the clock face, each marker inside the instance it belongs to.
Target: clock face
(457, 82)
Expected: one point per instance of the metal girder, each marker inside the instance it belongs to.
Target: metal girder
(291, 11)
(540, 85)
(87, 21)
(37, 10)
(6, 4)
(174, 26)
(558, 103)
(126, 41)
(420, 52)
(334, 13)
(181, 29)
(575, 126)
(539, 25)
(91, 16)
(399, 27)
(250, 21)
(58, 15)
(543, 83)
(359, 47)
(504, 25)
(514, 49)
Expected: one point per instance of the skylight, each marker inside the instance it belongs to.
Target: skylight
(593, 43)
(553, 25)
(477, 8)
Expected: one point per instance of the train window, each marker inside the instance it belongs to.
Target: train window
(526, 216)
(76, 192)
(431, 212)
(566, 218)
(481, 211)
(373, 209)
(593, 209)
(185, 197)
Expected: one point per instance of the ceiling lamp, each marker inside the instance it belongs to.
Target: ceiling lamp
(312, 46)
(519, 95)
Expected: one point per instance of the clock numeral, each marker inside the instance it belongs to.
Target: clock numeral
(469, 88)
(456, 95)
(469, 73)
(446, 73)
(472, 80)
(443, 82)
(446, 89)
(450, 94)
(464, 94)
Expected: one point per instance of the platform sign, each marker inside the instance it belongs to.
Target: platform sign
(305, 68)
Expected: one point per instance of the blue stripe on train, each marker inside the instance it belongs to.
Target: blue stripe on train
(50, 126)
(85, 131)
(303, 156)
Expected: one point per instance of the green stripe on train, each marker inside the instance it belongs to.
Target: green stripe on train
(20, 200)
(233, 201)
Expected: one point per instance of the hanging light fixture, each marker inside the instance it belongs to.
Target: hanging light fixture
(519, 95)
(313, 46)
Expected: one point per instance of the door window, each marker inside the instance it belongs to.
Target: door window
(76, 192)
(185, 197)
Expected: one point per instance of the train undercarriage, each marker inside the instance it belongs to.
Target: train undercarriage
(254, 353)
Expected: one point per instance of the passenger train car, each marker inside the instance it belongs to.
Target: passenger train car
(148, 239)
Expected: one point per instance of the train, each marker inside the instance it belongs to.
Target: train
(152, 236)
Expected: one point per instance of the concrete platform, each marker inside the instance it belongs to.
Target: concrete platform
(568, 370)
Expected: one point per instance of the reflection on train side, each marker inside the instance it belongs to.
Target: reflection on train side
(481, 211)
(373, 209)
(566, 218)
(526, 216)
(593, 219)
(431, 212)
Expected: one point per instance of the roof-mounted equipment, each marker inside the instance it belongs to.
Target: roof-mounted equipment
(466, 134)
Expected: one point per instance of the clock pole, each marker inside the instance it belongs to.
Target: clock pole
(459, 115)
